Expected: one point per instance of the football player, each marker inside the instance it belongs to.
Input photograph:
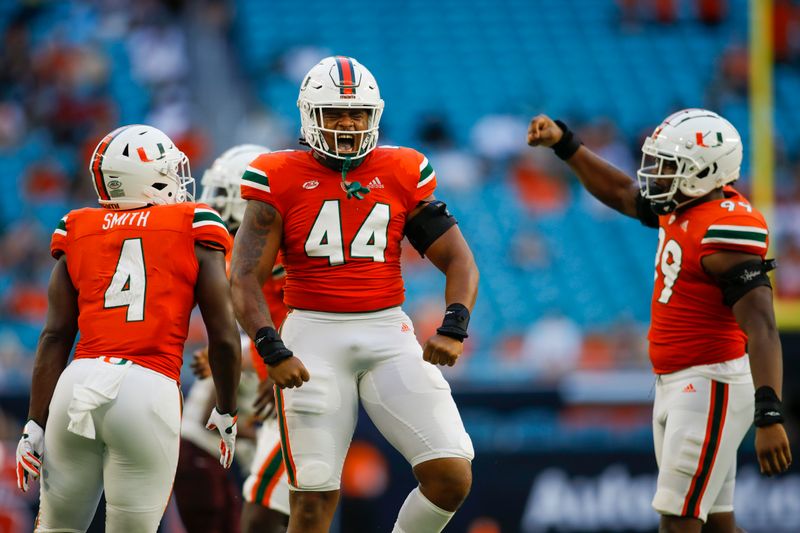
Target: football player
(127, 276)
(338, 213)
(713, 341)
(206, 497)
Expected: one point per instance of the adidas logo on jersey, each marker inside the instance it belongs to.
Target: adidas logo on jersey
(405, 328)
(689, 388)
(375, 183)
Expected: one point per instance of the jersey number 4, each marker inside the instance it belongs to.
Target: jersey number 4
(668, 260)
(129, 283)
(326, 239)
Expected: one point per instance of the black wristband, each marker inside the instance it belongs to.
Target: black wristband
(270, 346)
(568, 144)
(456, 320)
(768, 408)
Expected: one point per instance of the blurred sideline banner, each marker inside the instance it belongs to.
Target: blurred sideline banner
(575, 492)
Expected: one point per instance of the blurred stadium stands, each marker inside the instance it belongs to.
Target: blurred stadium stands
(460, 79)
(73, 70)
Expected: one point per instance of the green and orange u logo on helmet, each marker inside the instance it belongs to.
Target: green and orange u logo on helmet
(143, 154)
(700, 138)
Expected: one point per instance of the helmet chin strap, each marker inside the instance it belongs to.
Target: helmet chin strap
(354, 189)
(665, 207)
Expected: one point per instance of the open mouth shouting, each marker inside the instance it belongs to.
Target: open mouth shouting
(346, 142)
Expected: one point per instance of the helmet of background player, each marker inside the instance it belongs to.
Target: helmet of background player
(339, 82)
(694, 151)
(136, 166)
(221, 182)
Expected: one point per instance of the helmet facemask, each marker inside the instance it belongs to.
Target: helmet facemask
(312, 119)
(661, 176)
(226, 200)
(178, 186)
(222, 183)
(659, 180)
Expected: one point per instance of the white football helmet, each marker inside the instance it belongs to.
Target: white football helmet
(221, 183)
(138, 165)
(339, 82)
(695, 148)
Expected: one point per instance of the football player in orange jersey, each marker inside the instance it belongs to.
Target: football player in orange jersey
(127, 277)
(338, 213)
(713, 340)
(207, 497)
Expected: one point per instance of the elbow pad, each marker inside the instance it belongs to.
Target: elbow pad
(428, 225)
(743, 278)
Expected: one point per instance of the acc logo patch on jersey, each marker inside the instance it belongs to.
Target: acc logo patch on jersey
(311, 184)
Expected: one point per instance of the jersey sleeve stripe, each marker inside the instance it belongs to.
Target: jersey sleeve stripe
(735, 234)
(426, 173)
(61, 229)
(256, 175)
(201, 215)
(205, 210)
(751, 229)
(255, 178)
(427, 180)
(741, 242)
(202, 223)
(257, 186)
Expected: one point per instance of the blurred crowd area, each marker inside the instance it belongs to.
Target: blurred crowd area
(565, 281)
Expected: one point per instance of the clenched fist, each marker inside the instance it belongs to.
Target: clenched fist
(289, 373)
(542, 131)
(442, 350)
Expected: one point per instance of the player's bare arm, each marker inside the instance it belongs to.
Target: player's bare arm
(755, 314)
(224, 347)
(55, 341)
(52, 355)
(451, 254)
(254, 251)
(603, 180)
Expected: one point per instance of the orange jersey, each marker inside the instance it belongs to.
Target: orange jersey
(135, 273)
(690, 325)
(273, 292)
(341, 255)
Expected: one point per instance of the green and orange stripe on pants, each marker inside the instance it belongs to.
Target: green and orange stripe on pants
(714, 426)
(268, 476)
(286, 447)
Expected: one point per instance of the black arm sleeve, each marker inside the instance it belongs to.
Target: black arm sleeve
(644, 213)
(745, 277)
(428, 225)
